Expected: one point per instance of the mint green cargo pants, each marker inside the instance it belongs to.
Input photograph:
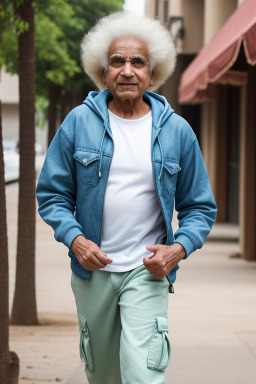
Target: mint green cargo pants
(123, 326)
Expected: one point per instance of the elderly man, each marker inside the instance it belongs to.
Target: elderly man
(107, 188)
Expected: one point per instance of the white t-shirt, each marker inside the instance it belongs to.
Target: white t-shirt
(132, 216)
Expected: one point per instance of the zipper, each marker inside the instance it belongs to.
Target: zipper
(171, 289)
(159, 201)
(104, 195)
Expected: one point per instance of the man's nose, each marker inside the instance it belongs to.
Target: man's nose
(127, 69)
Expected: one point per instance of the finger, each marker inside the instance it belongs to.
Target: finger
(153, 248)
(150, 255)
(93, 266)
(102, 257)
(159, 271)
(154, 270)
(147, 261)
(86, 264)
(156, 273)
(91, 262)
(154, 267)
(95, 260)
(150, 259)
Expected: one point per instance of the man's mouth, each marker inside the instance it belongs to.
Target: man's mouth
(128, 85)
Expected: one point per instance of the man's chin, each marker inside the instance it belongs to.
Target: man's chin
(127, 92)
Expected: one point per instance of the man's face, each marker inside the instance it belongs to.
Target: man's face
(128, 79)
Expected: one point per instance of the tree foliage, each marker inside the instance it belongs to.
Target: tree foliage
(59, 28)
(87, 12)
(53, 61)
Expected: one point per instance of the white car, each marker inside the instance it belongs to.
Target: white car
(12, 159)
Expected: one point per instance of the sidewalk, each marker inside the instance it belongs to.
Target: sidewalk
(224, 232)
(212, 315)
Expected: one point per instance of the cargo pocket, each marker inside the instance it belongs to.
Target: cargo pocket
(159, 353)
(85, 344)
(169, 178)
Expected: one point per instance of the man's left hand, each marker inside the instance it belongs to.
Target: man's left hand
(164, 259)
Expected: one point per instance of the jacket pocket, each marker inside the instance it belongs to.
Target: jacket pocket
(159, 353)
(87, 163)
(169, 177)
(85, 343)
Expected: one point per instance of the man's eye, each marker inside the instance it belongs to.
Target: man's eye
(138, 62)
(117, 60)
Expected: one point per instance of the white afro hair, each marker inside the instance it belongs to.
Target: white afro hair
(95, 45)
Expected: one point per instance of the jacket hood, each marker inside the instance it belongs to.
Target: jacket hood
(161, 109)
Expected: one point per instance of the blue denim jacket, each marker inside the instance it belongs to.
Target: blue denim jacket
(71, 186)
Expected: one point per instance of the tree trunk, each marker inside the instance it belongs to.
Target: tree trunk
(63, 106)
(9, 362)
(24, 305)
(70, 100)
(52, 111)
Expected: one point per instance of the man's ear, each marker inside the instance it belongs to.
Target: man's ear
(103, 75)
(152, 78)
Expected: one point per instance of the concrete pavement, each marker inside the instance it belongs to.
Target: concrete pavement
(212, 320)
(212, 315)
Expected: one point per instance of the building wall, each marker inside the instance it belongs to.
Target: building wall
(9, 88)
(216, 13)
(150, 8)
(193, 14)
(248, 168)
(191, 10)
(9, 96)
(202, 18)
(10, 121)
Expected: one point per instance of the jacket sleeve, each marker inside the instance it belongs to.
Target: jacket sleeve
(194, 201)
(56, 190)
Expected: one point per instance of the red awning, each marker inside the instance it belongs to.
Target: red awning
(213, 62)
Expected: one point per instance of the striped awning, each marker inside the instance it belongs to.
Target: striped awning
(212, 64)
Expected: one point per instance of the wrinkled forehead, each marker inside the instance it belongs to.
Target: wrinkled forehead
(128, 46)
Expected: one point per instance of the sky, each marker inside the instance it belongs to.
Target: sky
(135, 6)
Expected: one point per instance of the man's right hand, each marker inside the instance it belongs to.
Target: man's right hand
(89, 255)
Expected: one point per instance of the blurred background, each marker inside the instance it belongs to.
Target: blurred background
(212, 315)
